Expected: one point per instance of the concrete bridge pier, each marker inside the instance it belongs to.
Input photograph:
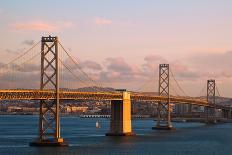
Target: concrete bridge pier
(120, 123)
(229, 115)
(226, 113)
(210, 115)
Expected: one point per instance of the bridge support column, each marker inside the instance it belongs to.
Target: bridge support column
(120, 123)
(164, 109)
(49, 117)
(226, 113)
(229, 115)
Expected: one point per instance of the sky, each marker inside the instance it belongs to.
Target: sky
(121, 42)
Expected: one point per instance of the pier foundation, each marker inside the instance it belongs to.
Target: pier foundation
(120, 123)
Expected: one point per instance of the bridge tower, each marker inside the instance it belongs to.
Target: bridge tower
(49, 117)
(164, 109)
(211, 85)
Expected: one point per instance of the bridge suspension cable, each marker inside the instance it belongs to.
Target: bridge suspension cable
(21, 55)
(84, 73)
(219, 94)
(203, 91)
(178, 85)
(149, 81)
(77, 77)
(18, 65)
(173, 90)
(180, 88)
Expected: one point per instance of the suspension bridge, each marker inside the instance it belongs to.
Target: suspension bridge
(56, 65)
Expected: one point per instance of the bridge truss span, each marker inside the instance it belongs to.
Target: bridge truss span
(75, 95)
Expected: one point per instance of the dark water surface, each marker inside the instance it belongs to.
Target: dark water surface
(190, 138)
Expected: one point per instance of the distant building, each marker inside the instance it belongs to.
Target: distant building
(188, 110)
(26, 109)
(74, 109)
(14, 109)
(94, 110)
(181, 109)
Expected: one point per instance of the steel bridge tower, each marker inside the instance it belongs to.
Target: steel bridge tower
(211, 85)
(164, 109)
(49, 116)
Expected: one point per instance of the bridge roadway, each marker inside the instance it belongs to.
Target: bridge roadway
(75, 95)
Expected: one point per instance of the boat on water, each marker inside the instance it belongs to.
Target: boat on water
(98, 125)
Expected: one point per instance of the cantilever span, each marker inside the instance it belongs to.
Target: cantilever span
(76, 95)
(173, 99)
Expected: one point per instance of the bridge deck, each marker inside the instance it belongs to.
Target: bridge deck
(75, 95)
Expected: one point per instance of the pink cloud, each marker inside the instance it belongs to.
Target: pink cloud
(102, 21)
(40, 26)
(178, 67)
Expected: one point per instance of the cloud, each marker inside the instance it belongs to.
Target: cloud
(212, 64)
(116, 71)
(88, 64)
(40, 26)
(27, 80)
(9, 54)
(14, 52)
(29, 68)
(91, 65)
(102, 21)
(118, 65)
(178, 66)
(155, 58)
(213, 60)
(34, 26)
(28, 42)
(152, 62)
(13, 67)
(24, 76)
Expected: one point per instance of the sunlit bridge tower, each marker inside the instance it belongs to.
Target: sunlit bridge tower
(164, 109)
(49, 117)
(210, 112)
